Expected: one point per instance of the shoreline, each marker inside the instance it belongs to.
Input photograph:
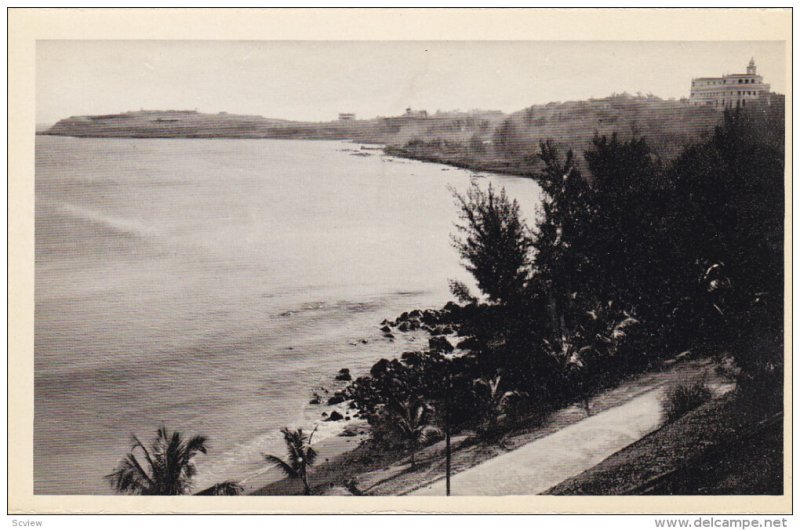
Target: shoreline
(380, 471)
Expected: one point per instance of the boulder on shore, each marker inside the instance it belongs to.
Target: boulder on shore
(344, 375)
(336, 399)
(440, 344)
(335, 416)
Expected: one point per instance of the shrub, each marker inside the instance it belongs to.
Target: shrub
(683, 397)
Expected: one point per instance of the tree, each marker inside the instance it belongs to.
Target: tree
(228, 487)
(410, 420)
(493, 402)
(730, 191)
(450, 390)
(563, 233)
(167, 469)
(301, 456)
(495, 243)
(631, 251)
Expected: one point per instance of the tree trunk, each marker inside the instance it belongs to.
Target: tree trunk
(447, 460)
(306, 487)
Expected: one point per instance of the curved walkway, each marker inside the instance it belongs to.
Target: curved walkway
(541, 464)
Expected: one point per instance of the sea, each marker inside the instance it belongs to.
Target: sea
(213, 285)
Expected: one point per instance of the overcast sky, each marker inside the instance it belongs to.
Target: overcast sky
(304, 80)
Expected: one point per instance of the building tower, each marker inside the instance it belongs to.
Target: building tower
(751, 68)
(730, 90)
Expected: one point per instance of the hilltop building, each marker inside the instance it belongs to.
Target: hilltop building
(410, 113)
(731, 90)
(347, 116)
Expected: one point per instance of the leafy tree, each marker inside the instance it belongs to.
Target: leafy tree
(451, 392)
(631, 251)
(461, 292)
(301, 456)
(563, 232)
(495, 243)
(476, 146)
(731, 194)
(166, 468)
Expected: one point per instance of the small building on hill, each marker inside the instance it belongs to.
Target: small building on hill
(347, 116)
(417, 114)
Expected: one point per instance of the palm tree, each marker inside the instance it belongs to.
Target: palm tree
(410, 422)
(229, 487)
(494, 402)
(301, 456)
(167, 468)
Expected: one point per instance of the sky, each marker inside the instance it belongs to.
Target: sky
(315, 80)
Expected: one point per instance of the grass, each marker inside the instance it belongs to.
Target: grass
(681, 398)
(725, 446)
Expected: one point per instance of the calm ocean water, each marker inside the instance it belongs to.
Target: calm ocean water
(212, 285)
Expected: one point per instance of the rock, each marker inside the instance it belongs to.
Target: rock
(447, 330)
(344, 375)
(440, 344)
(389, 336)
(324, 414)
(470, 343)
(430, 317)
(415, 314)
(386, 329)
(335, 416)
(348, 433)
(404, 326)
(379, 368)
(403, 316)
(451, 306)
(336, 399)
(363, 341)
(315, 400)
(347, 418)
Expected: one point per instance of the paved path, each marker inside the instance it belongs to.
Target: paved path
(541, 464)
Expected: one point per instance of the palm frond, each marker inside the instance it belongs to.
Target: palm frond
(229, 487)
(287, 470)
(130, 477)
(311, 456)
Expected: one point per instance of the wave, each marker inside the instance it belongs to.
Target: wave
(118, 225)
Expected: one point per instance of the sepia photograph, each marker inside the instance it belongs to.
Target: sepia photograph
(402, 268)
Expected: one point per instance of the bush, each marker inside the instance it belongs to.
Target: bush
(684, 397)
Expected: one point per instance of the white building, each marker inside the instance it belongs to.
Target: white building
(728, 91)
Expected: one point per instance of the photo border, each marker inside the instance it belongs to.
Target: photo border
(27, 25)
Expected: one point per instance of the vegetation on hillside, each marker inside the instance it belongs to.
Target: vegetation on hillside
(631, 261)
